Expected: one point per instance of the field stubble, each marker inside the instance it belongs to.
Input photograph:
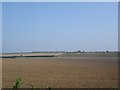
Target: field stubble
(62, 72)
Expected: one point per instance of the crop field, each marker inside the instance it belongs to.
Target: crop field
(67, 70)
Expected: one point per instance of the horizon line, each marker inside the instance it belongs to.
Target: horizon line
(61, 51)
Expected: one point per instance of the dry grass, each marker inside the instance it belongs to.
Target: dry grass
(62, 72)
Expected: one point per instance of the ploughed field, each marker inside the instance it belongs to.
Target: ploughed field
(67, 70)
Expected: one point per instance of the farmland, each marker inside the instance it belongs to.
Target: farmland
(64, 70)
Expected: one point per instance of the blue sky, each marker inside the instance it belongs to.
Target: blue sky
(59, 26)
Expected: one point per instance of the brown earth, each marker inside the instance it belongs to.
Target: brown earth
(61, 72)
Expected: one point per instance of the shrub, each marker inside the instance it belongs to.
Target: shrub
(18, 83)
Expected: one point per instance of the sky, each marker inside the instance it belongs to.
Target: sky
(64, 26)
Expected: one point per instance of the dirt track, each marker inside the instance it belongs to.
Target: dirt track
(62, 72)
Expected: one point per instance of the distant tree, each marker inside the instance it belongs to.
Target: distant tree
(79, 51)
(83, 51)
(21, 55)
(107, 51)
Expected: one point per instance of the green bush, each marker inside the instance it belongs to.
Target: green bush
(18, 83)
